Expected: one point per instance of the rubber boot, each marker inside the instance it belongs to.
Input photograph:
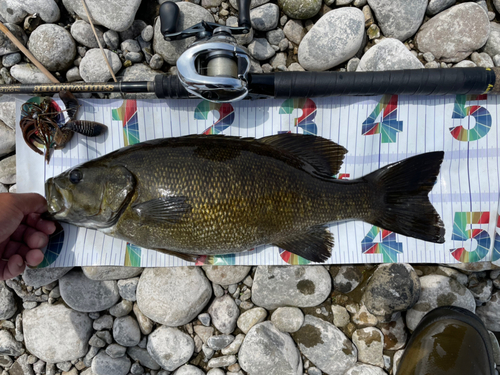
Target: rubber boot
(449, 340)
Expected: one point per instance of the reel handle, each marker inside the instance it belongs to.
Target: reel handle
(169, 14)
(244, 14)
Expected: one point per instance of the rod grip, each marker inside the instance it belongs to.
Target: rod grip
(170, 87)
(403, 82)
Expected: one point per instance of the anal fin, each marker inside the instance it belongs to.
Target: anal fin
(183, 256)
(314, 245)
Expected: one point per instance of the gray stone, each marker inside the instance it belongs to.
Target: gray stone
(16, 10)
(156, 62)
(145, 324)
(83, 294)
(363, 318)
(103, 322)
(37, 277)
(222, 361)
(325, 346)
(266, 350)
(224, 313)
(11, 59)
(253, 3)
(392, 288)
(220, 341)
(130, 45)
(340, 316)
(389, 54)
(335, 38)
(490, 312)
(278, 59)
(492, 46)
(347, 278)
(83, 34)
(55, 333)
(437, 6)
(73, 75)
(250, 318)
(116, 351)
(112, 14)
(111, 272)
(226, 275)
(8, 170)
(438, 290)
(127, 288)
(52, 46)
(260, 49)
(274, 37)
(454, 34)
(93, 67)
(294, 31)
(295, 67)
(370, 344)
(8, 345)
(364, 369)
(121, 309)
(298, 286)
(126, 331)
(482, 59)
(242, 39)
(112, 39)
(352, 64)
(134, 31)
(204, 319)
(465, 64)
(481, 289)
(170, 347)
(287, 319)
(7, 302)
(216, 371)
(394, 334)
(495, 347)
(189, 15)
(143, 356)
(6, 45)
(103, 364)
(265, 17)
(7, 139)
(147, 33)
(188, 369)
(162, 298)
(97, 342)
(8, 111)
(300, 9)
(401, 19)
(28, 73)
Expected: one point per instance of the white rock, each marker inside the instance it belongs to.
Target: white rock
(7, 302)
(340, 316)
(438, 290)
(53, 46)
(8, 170)
(266, 350)
(250, 318)
(389, 54)
(465, 64)
(9, 346)
(298, 286)
(93, 67)
(7, 139)
(170, 347)
(113, 14)
(226, 275)
(83, 34)
(28, 73)
(16, 10)
(325, 345)
(111, 272)
(287, 319)
(370, 344)
(8, 111)
(364, 369)
(189, 15)
(162, 296)
(224, 313)
(335, 38)
(55, 333)
(188, 370)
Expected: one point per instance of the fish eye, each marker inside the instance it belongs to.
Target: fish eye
(75, 176)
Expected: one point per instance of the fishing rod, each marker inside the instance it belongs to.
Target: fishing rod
(217, 69)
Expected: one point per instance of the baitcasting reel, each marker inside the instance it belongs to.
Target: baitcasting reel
(214, 67)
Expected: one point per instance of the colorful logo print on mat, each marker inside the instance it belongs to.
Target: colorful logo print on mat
(480, 114)
(306, 121)
(496, 247)
(461, 233)
(388, 247)
(53, 250)
(226, 115)
(389, 126)
(127, 114)
(216, 260)
(30, 105)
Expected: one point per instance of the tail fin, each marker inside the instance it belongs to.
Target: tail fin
(404, 206)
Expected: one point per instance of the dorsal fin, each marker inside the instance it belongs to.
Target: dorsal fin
(324, 155)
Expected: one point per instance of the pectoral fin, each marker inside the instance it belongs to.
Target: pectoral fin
(314, 245)
(163, 209)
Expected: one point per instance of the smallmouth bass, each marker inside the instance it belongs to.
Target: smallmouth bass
(213, 194)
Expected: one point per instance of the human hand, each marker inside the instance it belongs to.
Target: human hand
(22, 232)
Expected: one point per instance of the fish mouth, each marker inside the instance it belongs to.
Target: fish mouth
(57, 204)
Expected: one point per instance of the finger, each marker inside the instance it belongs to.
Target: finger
(15, 266)
(30, 202)
(35, 239)
(19, 233)
(34, 257)
(15, 248)
(45, 226)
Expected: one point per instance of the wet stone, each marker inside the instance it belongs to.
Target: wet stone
(363, 318)
(347, 279)
(340, 316)
(325, 346)
(370, 344)
(364, 369)
(300, 9)
(395, 335)
(490, 312)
